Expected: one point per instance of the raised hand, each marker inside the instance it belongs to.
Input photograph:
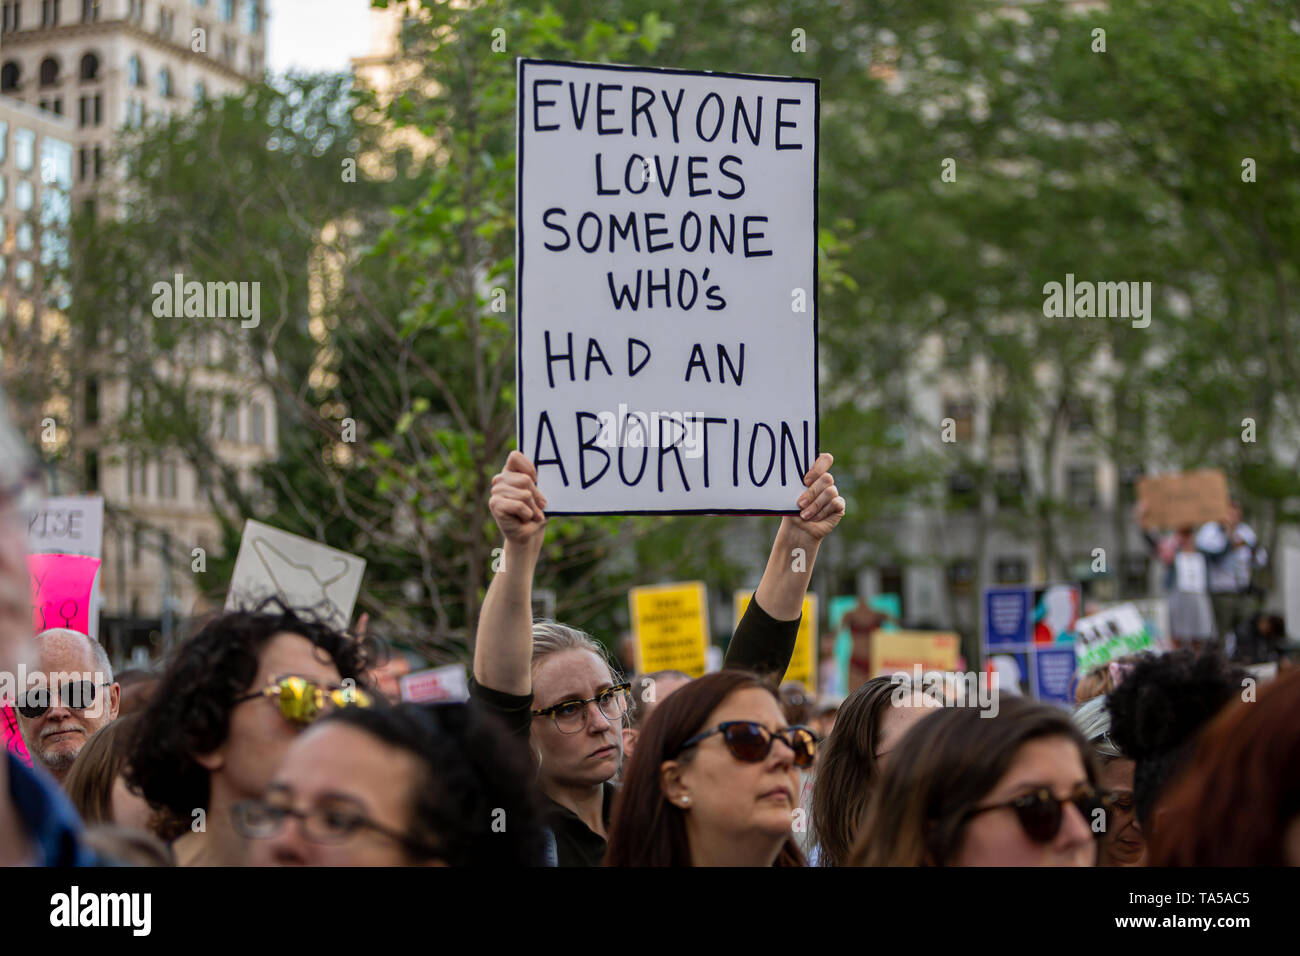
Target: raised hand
(820, 506)
(517, 506)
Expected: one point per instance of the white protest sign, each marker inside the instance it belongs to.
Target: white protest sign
(309, 576)
(71, 524)
(67, 525)
(437, 684)
(666, 257)
(1190, 572)
(1109, 634)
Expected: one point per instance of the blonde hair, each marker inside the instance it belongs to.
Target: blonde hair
(551, 637)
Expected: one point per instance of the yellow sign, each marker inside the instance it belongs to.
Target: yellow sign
(894, 651)
(803, 663)
(670, 623)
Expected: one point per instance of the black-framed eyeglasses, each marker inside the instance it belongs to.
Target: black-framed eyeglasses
(331, 824)
(751, 742)
(301, 700)
(1041, 813)
(75, 695)
(570, 716)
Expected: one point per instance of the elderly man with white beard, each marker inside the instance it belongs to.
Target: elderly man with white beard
(71, 695)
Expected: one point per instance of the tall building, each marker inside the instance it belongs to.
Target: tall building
(73, 73)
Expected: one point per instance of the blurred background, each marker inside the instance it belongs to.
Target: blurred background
(357, 162)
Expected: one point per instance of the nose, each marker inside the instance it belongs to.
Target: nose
(1075, 830)
(288, 847)
(597, 722)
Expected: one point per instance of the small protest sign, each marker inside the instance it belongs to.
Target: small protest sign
(1109, 634)
(803, 662)
(666, 259)
(307, 575)
(70, 524)
(895, 651)
(670, 624)
(436, 684)
(61, 590)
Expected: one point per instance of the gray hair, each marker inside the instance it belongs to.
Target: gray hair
(1092, 717)
(102, 663)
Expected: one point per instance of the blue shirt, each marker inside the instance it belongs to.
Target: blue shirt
(48, 817)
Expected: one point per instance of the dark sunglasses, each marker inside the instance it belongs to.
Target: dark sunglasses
(1041, 814)
(751, 742)
(301, 701)
(75, 695)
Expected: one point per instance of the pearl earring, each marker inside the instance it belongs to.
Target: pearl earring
(685, 801)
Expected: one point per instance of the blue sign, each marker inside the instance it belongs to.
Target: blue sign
(1006, 616)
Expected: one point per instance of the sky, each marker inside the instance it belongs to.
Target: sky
(316, 35)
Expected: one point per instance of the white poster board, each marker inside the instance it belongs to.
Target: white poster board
(666, 257)
(437, 684)
(71, 524)
(1110, 634)
(309, 576)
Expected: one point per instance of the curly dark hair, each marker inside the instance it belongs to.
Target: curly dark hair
(189, 712)
(1156, 713)
(472, 805)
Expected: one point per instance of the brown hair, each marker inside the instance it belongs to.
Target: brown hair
(847, 770)
(89, 783)
(1232, 803)
(647, 830)
(947, 763)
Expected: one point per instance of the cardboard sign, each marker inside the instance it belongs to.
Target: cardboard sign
(667, 273)
(308, 576)
(803, 662)
(670, 624)
(894, 651)
(1183, 500)
(62, 585)
(437, 684)
(1110, 634)
(69, 525)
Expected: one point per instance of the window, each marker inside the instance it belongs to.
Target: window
(200, 93)
(24, 148)
(49, 13)
(92, 401)
(256, 424)
(1010, 487)
(23, 237)
(253, 16)
(98, 156)
(11, 16)
(230, 422)
(1010, 571)
(9, 75)
(136, 10)
(165, 22)
(89, 70)
(165, 82)
(227, 10)
(134, 75)
(83, 111)
(137, 545)
(83, 164)
(92, 470)
(962, 412)
(4, 141)
(89, 11)
(962, 491)
(49, 71)
(24, 272)
(961, 576)
(24, 195)
(228, 49)
(1081, 486)
(167, 480)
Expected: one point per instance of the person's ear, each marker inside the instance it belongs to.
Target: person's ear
(114, 700)
(673, 785)
(629, 741)
(213, 761)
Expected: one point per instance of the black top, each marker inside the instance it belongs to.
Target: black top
(761, 644)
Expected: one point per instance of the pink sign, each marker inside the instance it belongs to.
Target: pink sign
(61, 586)
(9, 735)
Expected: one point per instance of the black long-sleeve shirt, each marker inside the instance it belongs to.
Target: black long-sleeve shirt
(761, 643)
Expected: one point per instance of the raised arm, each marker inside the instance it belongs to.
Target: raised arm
(764, 639)
(503, 642)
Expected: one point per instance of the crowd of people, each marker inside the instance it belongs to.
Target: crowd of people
(264, 741)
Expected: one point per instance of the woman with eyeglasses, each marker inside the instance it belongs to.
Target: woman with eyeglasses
(409, 785)
(233, 699)
(556, 686)
(1123, 843)
(1015, 786)
(714, 781)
